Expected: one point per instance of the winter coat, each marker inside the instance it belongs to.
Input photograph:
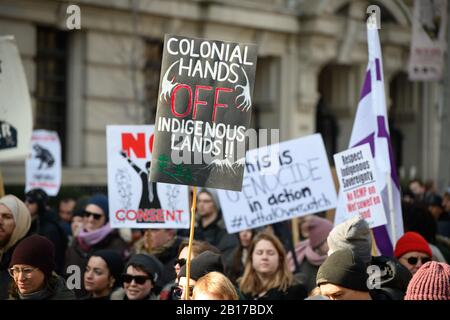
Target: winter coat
(119, 294)
(46, 225)
(75, 255)
(217, 235)
(5, 278)
(55, 289)
(294, 292)
(394, 279)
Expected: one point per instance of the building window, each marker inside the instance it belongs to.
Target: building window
(152, 69)
(51, 64)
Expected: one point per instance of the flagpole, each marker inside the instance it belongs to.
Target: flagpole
(391, 208)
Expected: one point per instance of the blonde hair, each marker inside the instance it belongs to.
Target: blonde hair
(250, 282)
(217, 285)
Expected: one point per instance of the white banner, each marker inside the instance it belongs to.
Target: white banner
(43, 166)
(134, 202)
(16, 122)
(357, 175)
(428, 43)
(281, 182)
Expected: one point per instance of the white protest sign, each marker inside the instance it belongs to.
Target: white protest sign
(16, 122)
(43, 166)
(134, 202)
(355, 169)
(293, 182)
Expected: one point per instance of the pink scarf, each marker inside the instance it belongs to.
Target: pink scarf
(303, 250)
(88, 239)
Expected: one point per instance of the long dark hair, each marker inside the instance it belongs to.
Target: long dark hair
(237, 267)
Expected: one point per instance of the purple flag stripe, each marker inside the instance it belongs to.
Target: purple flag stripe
(370, 140)
(383, 133)
(367, 88)
(383, 241)
(378, 69)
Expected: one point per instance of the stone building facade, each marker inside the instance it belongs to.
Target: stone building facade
(312, 56)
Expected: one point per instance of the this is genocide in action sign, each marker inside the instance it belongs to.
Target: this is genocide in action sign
(204, 109)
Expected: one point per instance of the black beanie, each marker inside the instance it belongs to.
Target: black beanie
(101, 201)
(149, 264)
(36, 251)
(39, 196)
(114, 262)
(204, 263)
(344, 269)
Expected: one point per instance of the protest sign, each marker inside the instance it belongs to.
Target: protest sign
(428, 42)
(357, 177)
(204, 109)
(16, 122)
(43, 166)
(293, 181)
(134, 202)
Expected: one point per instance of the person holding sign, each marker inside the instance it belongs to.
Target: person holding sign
(267, 275)
(211, 226)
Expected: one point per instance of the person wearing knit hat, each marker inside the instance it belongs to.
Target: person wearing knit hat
(413, 251)
(96, 212)
(140, 279)
(44, 221)
(211, 226)
(103, 274)
(430, 282)
(353, 234)
(95, 235)
(204, 263)
(32, 265)
(343, 276)
(15, 223)
(312, 252)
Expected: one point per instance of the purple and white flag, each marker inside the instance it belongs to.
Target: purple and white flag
(371, 126)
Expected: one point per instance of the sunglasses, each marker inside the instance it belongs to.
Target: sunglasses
(178, 292)
(128, 278)
(97, 216)
(413, 260)
(181, 262)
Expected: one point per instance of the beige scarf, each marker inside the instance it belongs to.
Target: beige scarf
(22, 218)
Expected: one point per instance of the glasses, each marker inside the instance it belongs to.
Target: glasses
(128, 278)
(413, 260)
(97, 216)
(181, 262)
(14, 272)
(178, 292)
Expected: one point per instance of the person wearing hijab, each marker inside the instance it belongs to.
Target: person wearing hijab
(15, 221)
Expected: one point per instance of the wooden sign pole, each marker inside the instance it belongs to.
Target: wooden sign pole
(2, 188)
(191, 239)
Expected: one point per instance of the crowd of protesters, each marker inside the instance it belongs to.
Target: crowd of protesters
(73, 253)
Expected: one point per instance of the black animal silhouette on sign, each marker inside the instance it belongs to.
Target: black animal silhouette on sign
(149, 196)
(45, 157)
